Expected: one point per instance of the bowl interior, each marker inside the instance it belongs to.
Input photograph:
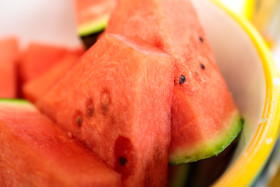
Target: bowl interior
(240, 65)
(235, 53)
(44, 20)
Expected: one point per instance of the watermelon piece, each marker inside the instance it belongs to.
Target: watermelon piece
(8, 61)
(35, 88)
(117, 99)
(34, 152)
(92, 17)
(39, 57)
(204, 116)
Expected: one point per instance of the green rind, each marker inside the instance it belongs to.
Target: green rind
(211, 147)
(94, 26)
(19, 101)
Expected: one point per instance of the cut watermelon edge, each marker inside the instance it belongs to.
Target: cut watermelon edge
(20, 103)
(94, 26)
(211, 147)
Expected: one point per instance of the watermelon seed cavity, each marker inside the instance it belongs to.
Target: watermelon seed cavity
(124, 151)
(79, 120)
(105, 101)
(201, 39)
(158, 44)
(89, 107)
(182, 79)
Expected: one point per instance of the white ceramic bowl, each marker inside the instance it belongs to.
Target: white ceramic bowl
(251, 75)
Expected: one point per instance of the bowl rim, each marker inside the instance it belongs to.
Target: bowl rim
(245, 170)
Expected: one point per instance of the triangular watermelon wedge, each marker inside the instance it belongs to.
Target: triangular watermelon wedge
(204, 116)
(35, 152)
(117, 99)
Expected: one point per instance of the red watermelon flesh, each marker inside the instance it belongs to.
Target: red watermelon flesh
(204, 116)
(117, 99)
(39, 57)
(34, 152)
(35, 88)
(8, 61)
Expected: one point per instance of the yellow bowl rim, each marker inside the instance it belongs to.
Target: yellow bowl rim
(244, 171)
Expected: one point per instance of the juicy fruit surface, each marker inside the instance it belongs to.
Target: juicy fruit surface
(8, 61)
(211, 147)
(35, 88)
(202, 104)
(110, 100)
(38, 58)
(92, 15)
(34, 152)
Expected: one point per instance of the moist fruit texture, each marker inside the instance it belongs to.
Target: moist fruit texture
(8, 61)
(39, 57)
(204, 116)
(117, 99)
(35, 88)
(34, 152)
(92, 17)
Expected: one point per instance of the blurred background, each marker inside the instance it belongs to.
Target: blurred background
(265, 16)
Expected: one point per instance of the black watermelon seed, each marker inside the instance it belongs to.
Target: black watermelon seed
(89, 107)
(79, 120)
(122, 161)
(201, 39)
(202, 66)
(182, 79)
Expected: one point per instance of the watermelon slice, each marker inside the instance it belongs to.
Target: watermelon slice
(39, 57)
(92, 17)
(38, 86)
(34, 152)
(117, 99)
(204, 116)
(8, 61)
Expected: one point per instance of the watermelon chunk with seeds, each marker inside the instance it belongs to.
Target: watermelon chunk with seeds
(117, 99)
(35, 88)
(35, 152)
(204, 116)
(39, 57)
(8, 67)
